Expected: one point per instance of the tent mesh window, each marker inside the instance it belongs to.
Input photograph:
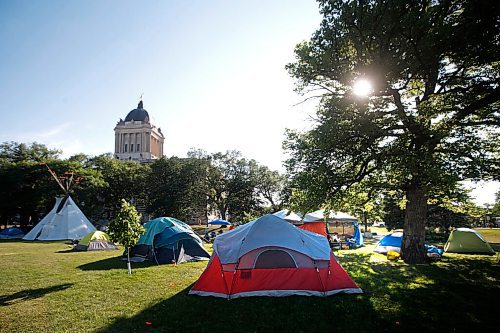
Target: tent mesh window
(274, 259)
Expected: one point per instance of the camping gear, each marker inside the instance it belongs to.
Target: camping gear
(271, 257)
(315, 222)
(11, 233)
(95, 241)
(393, 255)
(465, 240)
(357, 239)
(64, 221)
(168, 240)
(219, 222)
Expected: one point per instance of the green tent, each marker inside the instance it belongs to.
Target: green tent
(95, 241)
(465, 240)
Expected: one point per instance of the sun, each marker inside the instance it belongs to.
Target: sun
(362, 87)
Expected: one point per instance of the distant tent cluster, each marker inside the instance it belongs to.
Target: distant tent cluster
(266, 257)
(317, 222)
(461, 240)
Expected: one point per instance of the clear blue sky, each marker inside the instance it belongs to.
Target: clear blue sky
(212, 73)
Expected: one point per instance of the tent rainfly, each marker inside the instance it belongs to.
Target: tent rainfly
(64, 221)
(168, 240)
(271, 257)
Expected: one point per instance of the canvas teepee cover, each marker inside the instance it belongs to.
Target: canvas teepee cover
(465, 240)
(271, 257)
(64, 221)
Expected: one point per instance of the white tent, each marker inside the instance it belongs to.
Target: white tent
(288, 215)
(319, 215)
(64, 221)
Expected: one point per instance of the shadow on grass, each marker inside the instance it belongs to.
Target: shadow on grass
(29, 294)
(449, 295)
(183, 312)
(456, 294)
(66, 251)
(112, 263)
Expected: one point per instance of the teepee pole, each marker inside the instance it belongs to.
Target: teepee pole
(55, 177)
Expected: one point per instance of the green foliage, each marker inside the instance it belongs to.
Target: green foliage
(28, 189)
(272, 187)
(177, 187)
(445, 218)
(14, 152)
(185, 188)
(432, 118)
(120, 180)
(394, 214)
(495, 211)
(126, 228)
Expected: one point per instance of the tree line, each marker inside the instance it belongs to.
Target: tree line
(225, 184)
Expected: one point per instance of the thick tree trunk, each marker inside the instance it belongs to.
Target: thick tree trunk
(412, 249)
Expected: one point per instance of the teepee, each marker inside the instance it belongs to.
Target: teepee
(64, 221)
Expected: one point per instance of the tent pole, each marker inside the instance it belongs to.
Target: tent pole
(173, 251)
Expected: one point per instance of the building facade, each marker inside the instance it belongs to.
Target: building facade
(137, 138)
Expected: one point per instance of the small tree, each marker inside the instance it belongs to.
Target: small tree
(126, 228)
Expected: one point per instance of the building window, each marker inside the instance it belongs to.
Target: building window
(125, 150)
(138, 147)
(131, 147)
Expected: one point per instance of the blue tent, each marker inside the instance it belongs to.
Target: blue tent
(358, 235)
(167, 240)
(9, 233)
(391, 242)
(219, 222)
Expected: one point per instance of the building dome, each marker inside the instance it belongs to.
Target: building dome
(138, 114)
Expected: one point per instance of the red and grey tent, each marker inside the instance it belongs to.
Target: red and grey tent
(271, 257)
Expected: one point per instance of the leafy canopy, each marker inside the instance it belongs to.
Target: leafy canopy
(432, 118)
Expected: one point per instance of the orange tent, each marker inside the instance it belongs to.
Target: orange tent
(318, 227)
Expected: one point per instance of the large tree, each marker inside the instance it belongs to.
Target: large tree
(432, 115)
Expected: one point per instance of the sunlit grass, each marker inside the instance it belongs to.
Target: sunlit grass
(46, 288)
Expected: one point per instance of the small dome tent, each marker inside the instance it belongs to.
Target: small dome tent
(168, 240)
(11, 233)
(271, 257)
(390, 242)
(95, 241)
(465, 240)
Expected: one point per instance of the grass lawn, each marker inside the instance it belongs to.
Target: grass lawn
(47, 288)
